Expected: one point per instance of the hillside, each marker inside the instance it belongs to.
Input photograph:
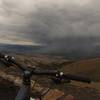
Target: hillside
(81, 91)
(89, 67)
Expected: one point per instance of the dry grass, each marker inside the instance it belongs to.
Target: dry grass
(90, 68)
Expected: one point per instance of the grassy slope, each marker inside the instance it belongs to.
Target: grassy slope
(90, 68)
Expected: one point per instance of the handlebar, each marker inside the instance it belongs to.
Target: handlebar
(55, 73)
(77, 78)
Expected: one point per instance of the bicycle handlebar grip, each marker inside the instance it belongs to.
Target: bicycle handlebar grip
(76, 78)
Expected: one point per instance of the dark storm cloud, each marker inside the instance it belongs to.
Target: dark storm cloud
(62, 25)
(52, 22)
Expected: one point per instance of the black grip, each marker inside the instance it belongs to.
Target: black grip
(7, 64)
(11, 60)
(76, 78)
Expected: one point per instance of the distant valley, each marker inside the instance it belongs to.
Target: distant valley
(69, 54)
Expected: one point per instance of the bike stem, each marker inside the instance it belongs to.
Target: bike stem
(24, 92)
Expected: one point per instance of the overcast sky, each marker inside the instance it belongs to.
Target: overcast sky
(36, 22)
